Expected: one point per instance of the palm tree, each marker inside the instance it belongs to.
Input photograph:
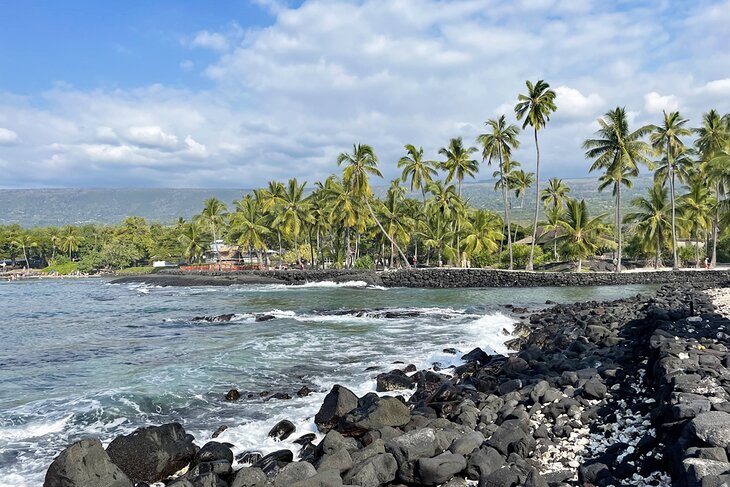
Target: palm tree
(554, 215)
(718, 172)
(618, 151)
(420, 172)
(293, 213)
(696, 209)
(458, 163)
(535, 108)
(25, 241)
(497, 144)
(214, 217)
(249, 223)
(713, 144)
(270, 199)
(341, 208)
(437, 235)
(70, 240)
(667, 139)
(555, 193)
(483, 231)
(359, 165)
(521, 182)
(652, 220)
(192, 238)
(581, 235)
(395, 217)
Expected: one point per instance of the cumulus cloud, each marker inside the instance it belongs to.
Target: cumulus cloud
(282, 101)
(655, 103)
(7, 136)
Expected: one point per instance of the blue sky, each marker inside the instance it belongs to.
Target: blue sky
(235, 93)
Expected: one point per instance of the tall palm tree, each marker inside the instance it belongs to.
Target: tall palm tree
(293, 213)
(617, 151)
(342, 209)
(718, 172)
(554, 215)
(395, 216)
(70, 240)
(458, 163)
(535, 108)
(652, 220)
(696, 209)
(420, 171)
(271, 199)
(358, 166)
(713, 143)
(25, 241)
(555, 193)
(192, 237)
(437, 235)
(214, 217)
(521, 182)
(497, 143)
(667, 138)
(249, 223)
(580, 234)
(483, 231)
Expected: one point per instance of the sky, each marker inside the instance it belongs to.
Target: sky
(175, 93)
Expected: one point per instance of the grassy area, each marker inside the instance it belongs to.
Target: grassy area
(63, 268)
(136, 270)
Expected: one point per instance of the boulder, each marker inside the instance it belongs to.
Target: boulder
(211, 452)
(274, 461)
(374, 412)
(712, 427)
(393, 382)
(249, 477)
(483, 462)
(325, 478)
(373, 472)
(439, 469)
(340, 461)
(153, 453)
(282, 430)
(595, 389)
(337, 403)
(85, 464)
(203, 480)
(294, 472)
(467, 443)
(504, 477)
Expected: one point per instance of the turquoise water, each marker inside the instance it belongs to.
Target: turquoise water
(86, 358)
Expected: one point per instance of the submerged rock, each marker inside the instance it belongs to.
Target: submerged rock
(282, 430)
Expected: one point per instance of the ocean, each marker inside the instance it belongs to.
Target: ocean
(86, 358)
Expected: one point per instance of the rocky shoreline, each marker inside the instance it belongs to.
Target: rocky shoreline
(630, 392)
(430, 278)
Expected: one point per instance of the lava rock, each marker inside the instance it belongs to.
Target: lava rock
(294, 472)
(249, 477)
(712, 427)
(439, 469)
(233, 395)
(85, 464)
(374, 412)
(337, 403)
(282, 430)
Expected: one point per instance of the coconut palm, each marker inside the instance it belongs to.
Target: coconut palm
(497, 143)
(395, 217)
(553, 215)
(581, 235)
(214, 217)
(618, 151)
(652, 220)
(70, 240)
(713, 144)
(667, 139)
(270, 199)
(483, 230)
(696, 209)
(358, 166)
(437, 235)
(555, 193)
(249, 223)
(521, 182)
(192, 238)
(24, 242)
(458, 163)
(341, 208)
(535, 108)
(293, 213)
(420, 171)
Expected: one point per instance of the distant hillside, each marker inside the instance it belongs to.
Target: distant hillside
(46, 207)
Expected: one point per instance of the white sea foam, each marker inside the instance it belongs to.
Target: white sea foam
(33, 430)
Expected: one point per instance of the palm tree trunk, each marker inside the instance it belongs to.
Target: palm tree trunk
(658, 253)
(697, 250)
(537, 203)
(674, 228)
(281, 250)
(618, 226)
(580, 264)
(25, 256)
(217, 250)
(311, 249)
(715, 225)
(506, 208)
(392, 254)
(348, 249)
(372, 213)
(296, 249)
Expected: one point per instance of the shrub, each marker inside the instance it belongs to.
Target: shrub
(688, 255)
(521, 255)
(365, 262)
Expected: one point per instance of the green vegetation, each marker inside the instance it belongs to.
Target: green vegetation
(426, 217)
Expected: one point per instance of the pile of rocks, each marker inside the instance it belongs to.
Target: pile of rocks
(600, 394)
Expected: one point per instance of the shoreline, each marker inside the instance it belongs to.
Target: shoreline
(628, 391)
(431, 278)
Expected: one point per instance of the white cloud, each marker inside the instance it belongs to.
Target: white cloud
(210, 40)
(187, 65)
(7, 136)
(720, 87)
(151, 136)
(572, 102)
(655, 103)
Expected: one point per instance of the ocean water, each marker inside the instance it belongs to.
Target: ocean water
(85, 358)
